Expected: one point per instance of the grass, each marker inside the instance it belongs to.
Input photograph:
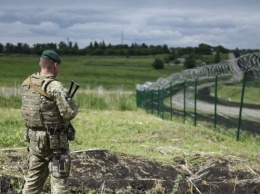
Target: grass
(140, 134)
(11, 133)
(98, 98)
(210, 59)
(233, 92)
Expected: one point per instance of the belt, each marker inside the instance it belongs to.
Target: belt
(55, 126)
(49, 127)
(50, 131)
(37, 128)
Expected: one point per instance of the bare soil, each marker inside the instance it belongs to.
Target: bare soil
(100, 171)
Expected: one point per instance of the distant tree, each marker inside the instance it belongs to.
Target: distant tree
(2, 48)
(165, 49)
(26, 49)
(9, 48)
(144, 45)
(90, 45)
(96, 45)
(70, 44)
(98, 51)
(186, 51)
(204, 49)
(102, 45)
(190, 62)
(64, 48)
(158, 64)
(174, 54)
(237, 52)
(222, 49)
(52, 46)
(37, 49)
(18, 48)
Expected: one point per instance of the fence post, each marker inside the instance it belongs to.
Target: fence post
(162, 103)
(195, 103)
(216, 101)
(142, 99)
(146, 100)
(184, 101)
(241, 105)
(158, 102)
(136, 96)
(171, 99)
(152, 101)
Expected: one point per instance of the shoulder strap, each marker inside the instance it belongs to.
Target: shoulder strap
(46, 82)
(36, 88)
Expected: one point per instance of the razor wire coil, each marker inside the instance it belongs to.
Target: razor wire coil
(227, 67)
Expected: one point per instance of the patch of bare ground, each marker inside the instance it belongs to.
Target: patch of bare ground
(101, 171)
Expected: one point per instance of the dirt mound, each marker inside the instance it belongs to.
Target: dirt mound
(108, 173)
(100, 171)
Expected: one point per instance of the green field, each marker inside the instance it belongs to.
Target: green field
(88, 71)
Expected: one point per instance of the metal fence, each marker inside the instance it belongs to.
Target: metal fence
(194, 95)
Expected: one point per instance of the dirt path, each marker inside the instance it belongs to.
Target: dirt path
(178, 101)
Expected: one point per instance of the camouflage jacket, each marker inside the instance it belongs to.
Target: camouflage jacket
(39, 111)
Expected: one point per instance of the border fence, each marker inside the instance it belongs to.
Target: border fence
(222, 94)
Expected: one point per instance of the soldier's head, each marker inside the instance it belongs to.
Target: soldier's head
(49, 62)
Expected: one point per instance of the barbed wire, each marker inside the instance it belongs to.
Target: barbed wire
(239, 65)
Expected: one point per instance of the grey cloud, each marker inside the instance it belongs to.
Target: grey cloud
(46, 28)
(233, 23)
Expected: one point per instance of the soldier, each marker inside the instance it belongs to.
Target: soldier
(47, 110)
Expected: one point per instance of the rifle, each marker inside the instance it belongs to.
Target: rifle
(71, 86)
(71, 130)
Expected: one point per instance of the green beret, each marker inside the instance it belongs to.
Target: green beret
(51, 55)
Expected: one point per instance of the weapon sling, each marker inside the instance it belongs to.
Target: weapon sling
(36, 88)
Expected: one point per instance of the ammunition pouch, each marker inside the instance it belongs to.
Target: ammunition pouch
(60, 165)
(58, 140)
(71, 132)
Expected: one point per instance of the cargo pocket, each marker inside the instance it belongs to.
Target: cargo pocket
(54, 142)
(60, 166)
(63, 140)
(42, 140)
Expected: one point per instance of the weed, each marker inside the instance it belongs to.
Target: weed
(157, 188)
(92, 192)
(176, 184)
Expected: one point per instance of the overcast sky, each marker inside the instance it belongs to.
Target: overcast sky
(177, 23)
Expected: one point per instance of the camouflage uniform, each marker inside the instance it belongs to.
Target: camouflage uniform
(47, 120)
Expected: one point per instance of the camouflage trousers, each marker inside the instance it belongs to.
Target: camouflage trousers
(40, 166)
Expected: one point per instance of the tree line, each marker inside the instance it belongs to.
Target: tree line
(101, 48)
(190, 54)
(94, 48)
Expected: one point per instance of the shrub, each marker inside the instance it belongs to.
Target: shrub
(190, 62)
(158, 64)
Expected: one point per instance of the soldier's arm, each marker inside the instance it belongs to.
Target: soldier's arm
(66, 105)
